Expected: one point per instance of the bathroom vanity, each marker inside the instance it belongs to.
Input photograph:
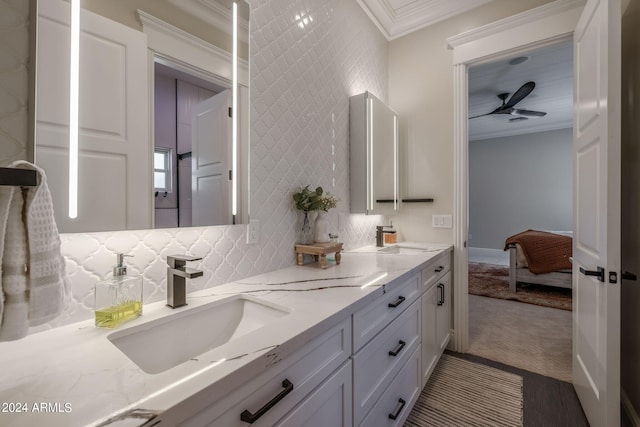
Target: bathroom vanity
(349, 345)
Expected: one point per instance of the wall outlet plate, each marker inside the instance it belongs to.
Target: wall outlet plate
(253, 232)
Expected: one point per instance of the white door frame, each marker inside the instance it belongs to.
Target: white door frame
(542, 26)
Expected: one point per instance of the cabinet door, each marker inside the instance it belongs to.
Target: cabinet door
(328, 405)
(430, 344)
(443, 313)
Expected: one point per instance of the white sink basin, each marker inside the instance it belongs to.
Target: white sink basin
(403, 250)
(164, 343)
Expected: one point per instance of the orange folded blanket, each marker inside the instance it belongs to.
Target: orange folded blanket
(545, 252)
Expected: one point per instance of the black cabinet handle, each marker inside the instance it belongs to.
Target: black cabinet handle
(629, 276)
(439, 269)
(599, 273)
(397, 302)
(398, 348)
(399, 407)
(250, 418)
(441, 299)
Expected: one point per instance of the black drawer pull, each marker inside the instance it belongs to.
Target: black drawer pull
(599, 273)
(250, 418)
(398, 348)
(397, 302)
(441, 299)
(399, 407)
(439, 269)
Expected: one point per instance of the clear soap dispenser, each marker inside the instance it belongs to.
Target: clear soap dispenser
(118, 299)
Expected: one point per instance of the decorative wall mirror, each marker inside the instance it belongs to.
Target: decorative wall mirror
(162, 127)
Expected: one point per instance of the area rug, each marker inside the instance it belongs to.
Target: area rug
(463, 393)
(492, 281)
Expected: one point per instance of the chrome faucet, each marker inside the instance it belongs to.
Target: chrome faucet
(177, 273)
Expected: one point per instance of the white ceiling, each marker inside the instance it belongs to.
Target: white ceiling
(550, 68)
(396, 18)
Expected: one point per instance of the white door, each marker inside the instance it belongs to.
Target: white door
(596, 299)
(114, 189)
(210, 150)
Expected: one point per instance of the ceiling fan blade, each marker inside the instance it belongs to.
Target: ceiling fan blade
(527, 113)
(520, 94)
(481, 115)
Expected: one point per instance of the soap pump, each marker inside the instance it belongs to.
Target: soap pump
(118, 299)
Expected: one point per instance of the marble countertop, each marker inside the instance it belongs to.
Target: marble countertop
(73, 375)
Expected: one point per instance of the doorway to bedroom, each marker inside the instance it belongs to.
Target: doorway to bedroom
(520, 179)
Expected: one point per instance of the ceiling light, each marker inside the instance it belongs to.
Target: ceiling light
(518, 60)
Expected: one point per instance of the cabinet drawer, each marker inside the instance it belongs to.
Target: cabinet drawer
(328, 405)
(373, 318)
(399, 398)
(436, 268)
(304, 370)
(375, 366)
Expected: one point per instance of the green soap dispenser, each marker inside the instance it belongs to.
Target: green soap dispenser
(118, 299)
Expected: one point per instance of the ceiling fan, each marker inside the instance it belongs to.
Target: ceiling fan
(507, 107)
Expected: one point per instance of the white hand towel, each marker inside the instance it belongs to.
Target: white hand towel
(14, 322)
(47, 289)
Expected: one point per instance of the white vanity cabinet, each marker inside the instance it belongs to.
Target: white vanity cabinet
(282, 394)
(436, 312)
(386, 339)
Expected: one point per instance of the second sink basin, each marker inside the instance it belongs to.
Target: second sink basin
(164, 343)
(404, 250)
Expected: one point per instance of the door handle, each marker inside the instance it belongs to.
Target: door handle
(599, 273)
(629, 276)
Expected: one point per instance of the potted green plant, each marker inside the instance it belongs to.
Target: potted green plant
(308, 200)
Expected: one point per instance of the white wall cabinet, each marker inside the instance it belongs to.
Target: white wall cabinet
(373, 160)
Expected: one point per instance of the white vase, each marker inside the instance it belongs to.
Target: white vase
(321, 228)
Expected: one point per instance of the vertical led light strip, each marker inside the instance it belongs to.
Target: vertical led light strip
(234, 116)
(395, 162)
(74, 83)
(370, 162)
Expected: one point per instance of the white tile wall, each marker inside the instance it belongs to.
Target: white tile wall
(14, 83)
(301, 78)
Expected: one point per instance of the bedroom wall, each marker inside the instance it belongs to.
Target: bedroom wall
(519, 182)
(421, 92)
(630, 208)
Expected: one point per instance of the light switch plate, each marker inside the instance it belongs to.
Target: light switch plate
(441, 221)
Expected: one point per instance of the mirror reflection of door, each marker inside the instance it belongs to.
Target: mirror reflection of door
(210, 142)
(193, 133)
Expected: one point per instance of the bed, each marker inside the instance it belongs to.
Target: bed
(540, 257)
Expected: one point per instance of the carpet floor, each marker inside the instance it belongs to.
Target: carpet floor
(464, 393)
(530, 337)
(493, 281)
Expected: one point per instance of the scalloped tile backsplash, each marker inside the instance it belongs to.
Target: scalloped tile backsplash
(302, 74)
